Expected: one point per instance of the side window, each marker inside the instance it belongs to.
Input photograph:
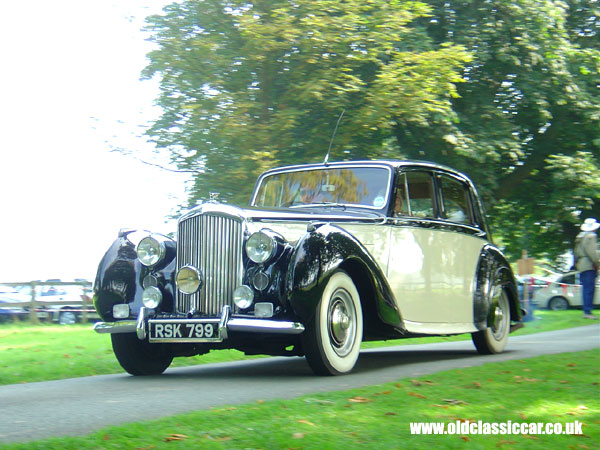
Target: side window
(455, 199)
(420, 194)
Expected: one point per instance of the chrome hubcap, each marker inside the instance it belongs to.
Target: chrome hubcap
(498, 319)
(341, 322)
(498, 316)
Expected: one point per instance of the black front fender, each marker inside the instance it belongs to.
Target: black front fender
(318, 255)
(120, 274)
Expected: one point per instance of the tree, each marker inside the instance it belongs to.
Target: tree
(531, 107)
(249, 85)
(505, 91)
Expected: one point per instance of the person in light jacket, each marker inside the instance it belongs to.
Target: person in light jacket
(586, 255)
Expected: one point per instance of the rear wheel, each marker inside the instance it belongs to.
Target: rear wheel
(558, 304)
(332, 342)
(140, 357)
(494, 338)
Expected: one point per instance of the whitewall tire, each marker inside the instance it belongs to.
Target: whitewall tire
(494, 338)
(332, 342)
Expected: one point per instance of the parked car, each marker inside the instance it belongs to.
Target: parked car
(8, 297)
(534, 283)
(63, 303)
(563, 293)
(325, 256)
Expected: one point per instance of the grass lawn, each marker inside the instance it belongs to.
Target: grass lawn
(31, 353)
(548, 389)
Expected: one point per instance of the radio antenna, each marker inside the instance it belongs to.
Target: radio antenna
(332, 136)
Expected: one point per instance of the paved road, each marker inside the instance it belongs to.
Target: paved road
(78, 406)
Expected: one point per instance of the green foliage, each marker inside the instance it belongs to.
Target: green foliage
(248, 85)
(549, 205)
(531, 94)
(506, 91)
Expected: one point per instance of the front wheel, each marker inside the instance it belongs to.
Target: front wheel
(332, 341)
(494, 338)
(140, 357)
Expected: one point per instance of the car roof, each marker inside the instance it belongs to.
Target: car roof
(394, 163)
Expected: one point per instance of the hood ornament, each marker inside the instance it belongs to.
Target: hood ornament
(213, 197)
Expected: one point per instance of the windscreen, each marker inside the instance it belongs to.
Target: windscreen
(361, 186)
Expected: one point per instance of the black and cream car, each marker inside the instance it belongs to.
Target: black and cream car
(326, 256)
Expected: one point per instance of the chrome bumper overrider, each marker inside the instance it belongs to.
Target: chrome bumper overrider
(226, 324)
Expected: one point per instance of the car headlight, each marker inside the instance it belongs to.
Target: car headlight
(260, 247)
(151, 251)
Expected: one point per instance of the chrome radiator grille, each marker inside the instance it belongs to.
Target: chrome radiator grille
(213, 244)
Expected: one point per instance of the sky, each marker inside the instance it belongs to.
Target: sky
(70, 92)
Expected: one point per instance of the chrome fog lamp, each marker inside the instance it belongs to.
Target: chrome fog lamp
(263, 310)
(188, 280)
(151, 297)
(151, 251)
(243, 297)
(260, 247)
(121, 311)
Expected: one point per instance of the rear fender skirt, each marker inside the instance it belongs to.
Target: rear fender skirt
(493, 265)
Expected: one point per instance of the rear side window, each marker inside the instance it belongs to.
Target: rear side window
(414, 195)
(455, 200)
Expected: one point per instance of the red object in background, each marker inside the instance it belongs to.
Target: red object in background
(564, 288)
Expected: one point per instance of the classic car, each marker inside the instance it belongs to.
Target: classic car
(325, 256)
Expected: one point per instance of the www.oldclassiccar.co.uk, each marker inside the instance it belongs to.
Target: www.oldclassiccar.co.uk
(495, 428)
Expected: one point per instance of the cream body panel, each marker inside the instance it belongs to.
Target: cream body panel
(374, 237)
(432, 275)
(431, 272)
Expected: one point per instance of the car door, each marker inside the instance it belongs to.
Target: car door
(434, 251)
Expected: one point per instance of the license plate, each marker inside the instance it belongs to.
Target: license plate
(191, 330)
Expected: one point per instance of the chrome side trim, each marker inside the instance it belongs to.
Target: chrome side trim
(436, 224)
(264, 326)
(123, 326)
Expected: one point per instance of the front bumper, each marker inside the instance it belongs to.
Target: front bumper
(226, 324)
